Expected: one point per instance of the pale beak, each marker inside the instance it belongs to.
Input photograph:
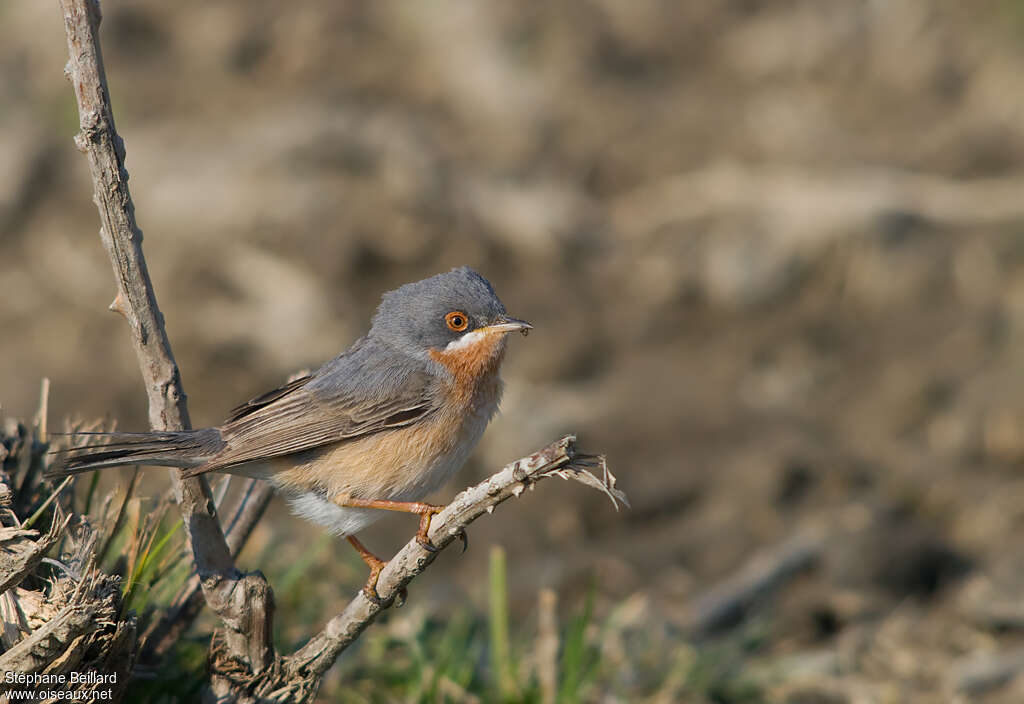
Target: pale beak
(507, 324)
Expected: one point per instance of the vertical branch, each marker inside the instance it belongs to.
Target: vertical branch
(168, 630)
(243, 663)
(136, 301)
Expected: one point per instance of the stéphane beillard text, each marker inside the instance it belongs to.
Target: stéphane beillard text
(37, 678)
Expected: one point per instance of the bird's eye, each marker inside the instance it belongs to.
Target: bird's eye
(457, 320)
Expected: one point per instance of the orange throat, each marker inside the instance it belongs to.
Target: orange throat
(474, 363)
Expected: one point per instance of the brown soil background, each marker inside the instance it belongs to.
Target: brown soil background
(773, 253)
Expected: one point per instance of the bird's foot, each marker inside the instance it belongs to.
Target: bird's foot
(370, 588)
(427, 511)
(376, 565)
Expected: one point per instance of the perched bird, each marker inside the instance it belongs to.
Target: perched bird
(378, 427)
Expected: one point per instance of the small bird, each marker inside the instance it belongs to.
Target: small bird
(378, 427)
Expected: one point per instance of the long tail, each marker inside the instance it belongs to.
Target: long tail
(181, 448)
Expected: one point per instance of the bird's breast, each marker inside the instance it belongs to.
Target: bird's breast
(403, 464)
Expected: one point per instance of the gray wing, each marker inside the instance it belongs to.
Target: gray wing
(330, 406)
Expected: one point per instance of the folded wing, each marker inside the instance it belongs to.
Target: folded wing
(327, 407)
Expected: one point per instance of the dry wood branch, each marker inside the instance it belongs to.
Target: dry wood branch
(76, 623)
(20, 553)
(136, 301)
(295, 677)
(244, 666)
(46, 643)
(247, 514)
(86, 627)
(187, 604)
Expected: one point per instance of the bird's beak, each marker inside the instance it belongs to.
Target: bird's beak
(506, 324)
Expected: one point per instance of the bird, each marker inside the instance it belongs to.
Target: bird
(379, 427)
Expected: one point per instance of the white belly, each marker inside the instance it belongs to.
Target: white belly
(336, 519)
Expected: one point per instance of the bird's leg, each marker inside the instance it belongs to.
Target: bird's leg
(425, 511)
(375, 564)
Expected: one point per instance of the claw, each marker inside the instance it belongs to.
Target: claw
(372, 596)
(464, 538)
(426, 544)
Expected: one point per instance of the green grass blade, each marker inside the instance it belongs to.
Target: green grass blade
(501, 659)
(574, 656)
(39, 511)
(148, 560)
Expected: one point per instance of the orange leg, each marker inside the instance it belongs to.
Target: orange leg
(374, 563)
(425, 511)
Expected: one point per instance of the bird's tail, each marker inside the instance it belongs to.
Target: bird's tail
(177, 448)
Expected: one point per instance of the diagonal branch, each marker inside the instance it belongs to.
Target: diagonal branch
(136, 301)
(244, 666)
(296, 677)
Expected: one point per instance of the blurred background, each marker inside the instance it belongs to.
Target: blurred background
(773, 254)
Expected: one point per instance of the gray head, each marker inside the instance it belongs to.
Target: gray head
(436, 312)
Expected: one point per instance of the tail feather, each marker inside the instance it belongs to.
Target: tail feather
(180, 448)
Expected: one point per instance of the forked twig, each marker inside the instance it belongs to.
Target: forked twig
(136, 301)
(244, 666)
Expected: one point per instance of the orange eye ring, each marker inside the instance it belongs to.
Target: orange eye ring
(457, 320)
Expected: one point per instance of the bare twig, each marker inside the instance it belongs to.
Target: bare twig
(81, 632)
(20, 552)
(244, 666)
(136, 301)
(297, 676)
(187, 604)
(248, 513)
(42, 416)
(31, 653)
